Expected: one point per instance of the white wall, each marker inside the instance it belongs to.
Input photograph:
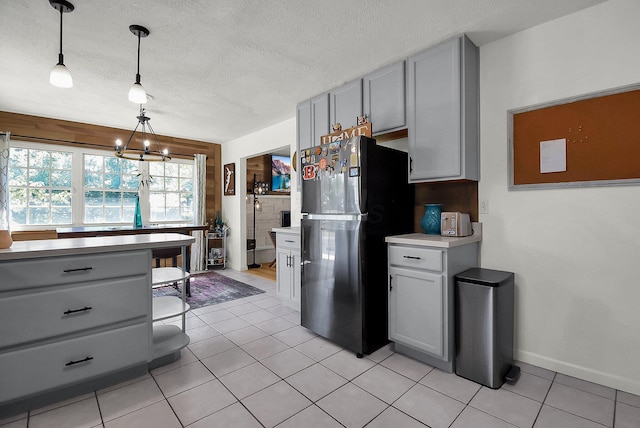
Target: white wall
(234, 207)
(575, 252)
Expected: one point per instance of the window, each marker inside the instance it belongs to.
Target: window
(40, 186)
(110, 189)
(70, 186)
(171, 191)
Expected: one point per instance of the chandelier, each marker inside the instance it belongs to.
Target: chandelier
(145, 153)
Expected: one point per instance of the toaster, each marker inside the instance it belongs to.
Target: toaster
(455, 224)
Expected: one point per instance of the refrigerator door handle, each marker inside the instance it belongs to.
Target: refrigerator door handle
(342, 217)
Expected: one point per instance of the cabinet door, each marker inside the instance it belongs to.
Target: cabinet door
(319, 118)
(346, 104)
(383, 97)
(295, 279)
(283, 274)
(416, 310)
(303, 125)
(434, 112)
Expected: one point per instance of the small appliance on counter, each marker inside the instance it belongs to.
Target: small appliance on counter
(455, 224)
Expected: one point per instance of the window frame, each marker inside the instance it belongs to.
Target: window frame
(77, 185)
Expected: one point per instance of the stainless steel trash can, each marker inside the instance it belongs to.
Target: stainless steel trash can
(484, 326)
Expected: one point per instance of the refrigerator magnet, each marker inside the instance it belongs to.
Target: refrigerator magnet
(309, 172)
(354, 171)
(323, 163)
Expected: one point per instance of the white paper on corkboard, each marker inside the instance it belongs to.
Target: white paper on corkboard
(553, 156)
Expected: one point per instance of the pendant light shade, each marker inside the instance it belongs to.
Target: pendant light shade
(60, 75)
(137, 94)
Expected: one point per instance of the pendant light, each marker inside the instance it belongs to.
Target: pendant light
(137, 94)
(60, 75)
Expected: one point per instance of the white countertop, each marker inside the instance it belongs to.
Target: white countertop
(100, 244)
(425, 240)
(288, 230)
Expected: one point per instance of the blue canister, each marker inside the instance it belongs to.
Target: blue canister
(431, 220)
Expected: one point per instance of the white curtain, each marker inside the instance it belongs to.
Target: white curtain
(198, 249)
(4, 181)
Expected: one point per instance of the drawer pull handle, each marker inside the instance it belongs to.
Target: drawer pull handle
(84, 360)
(73, 311)
(77, 270)
(289, 240)
(411, 257)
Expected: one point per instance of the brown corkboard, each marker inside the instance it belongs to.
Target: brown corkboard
(602, 134)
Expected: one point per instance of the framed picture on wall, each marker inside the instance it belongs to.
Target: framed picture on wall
(229, 179)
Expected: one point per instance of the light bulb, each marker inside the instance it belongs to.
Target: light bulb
(137, 94)
(146, 144)
(119, 142)
(60, 77)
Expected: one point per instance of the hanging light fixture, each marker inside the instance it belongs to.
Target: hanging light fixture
(60, 75)
(137, 94)
(145, 153)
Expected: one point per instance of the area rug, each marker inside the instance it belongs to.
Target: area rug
(211, 288)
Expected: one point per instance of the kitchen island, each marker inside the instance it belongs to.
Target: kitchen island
(77, 315)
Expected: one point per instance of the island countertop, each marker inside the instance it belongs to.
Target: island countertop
(101, 244)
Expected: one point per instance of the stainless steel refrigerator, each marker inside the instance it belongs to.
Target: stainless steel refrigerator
(354, 194)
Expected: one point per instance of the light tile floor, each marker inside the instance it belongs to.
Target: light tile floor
(251, 364)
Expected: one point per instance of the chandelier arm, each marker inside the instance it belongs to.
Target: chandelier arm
(126, 146)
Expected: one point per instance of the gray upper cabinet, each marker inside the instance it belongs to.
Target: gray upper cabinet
(312, 121)
(303, 124)
(383, 98)
(345, 104)
(442, 107)
(319, 118)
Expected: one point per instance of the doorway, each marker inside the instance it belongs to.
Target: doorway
(268, 205)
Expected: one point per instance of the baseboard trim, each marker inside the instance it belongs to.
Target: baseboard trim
(625, 384)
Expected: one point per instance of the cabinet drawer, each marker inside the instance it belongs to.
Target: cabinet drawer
(42, 368)
(66, 310)
(419, 258)
(67, 270)
(286, 240)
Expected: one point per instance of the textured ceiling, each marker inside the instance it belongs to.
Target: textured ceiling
(221, 69)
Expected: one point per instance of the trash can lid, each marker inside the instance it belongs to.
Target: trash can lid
(489, 277)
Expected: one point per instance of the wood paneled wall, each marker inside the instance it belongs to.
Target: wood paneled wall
(459, 196)
(61, 132)
(261, 166)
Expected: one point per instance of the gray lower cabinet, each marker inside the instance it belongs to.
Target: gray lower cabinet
(443, 112)
(345, 104)
(288, 269)
(383, 96)
(421, 300)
